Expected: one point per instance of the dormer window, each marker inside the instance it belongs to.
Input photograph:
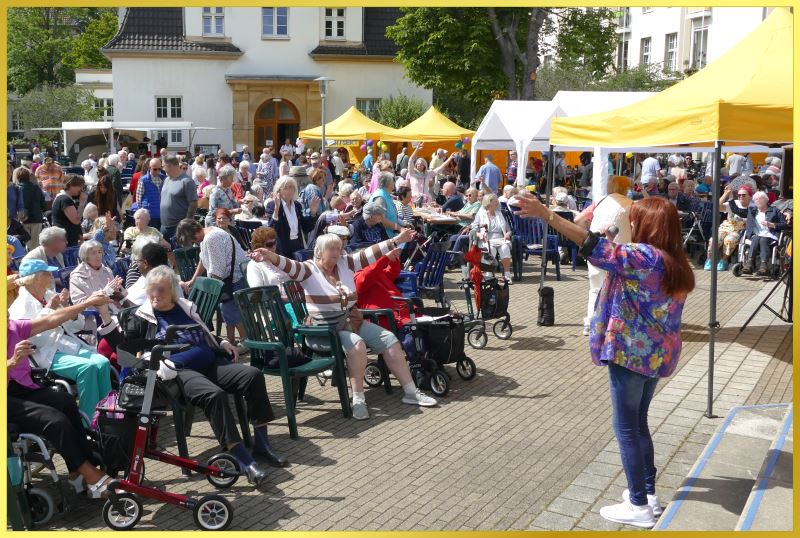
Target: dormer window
(213, 21)
(334, 23)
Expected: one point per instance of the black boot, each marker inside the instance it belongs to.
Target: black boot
(749, 267)
(263, 449)
(255, 475)
(763, 270)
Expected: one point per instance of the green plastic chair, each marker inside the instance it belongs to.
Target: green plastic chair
(267, 328)
(205, 294)
(187, 260)
(243, 269)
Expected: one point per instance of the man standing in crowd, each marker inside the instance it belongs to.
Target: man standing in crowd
(651, 171)
(148, 192)
(511, 175)
(464, 163)
(113, 167)
(178, 197)
(735, 165)
(489, 176)
(316, 164)
(401, 161)
(288, 148)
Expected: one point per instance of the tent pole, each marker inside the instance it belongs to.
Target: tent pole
(713, 324)
(548, 189)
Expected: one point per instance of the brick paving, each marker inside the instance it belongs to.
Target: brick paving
(527, 444)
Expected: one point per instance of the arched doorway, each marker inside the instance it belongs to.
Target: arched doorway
(276, 120)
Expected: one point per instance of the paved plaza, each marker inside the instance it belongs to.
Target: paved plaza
(527, 444)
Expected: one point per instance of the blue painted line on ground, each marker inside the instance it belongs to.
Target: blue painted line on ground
(762, 484)
(672, 509)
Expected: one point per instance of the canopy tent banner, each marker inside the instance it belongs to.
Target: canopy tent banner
(744, 97)
(430, 127)
(350, 126)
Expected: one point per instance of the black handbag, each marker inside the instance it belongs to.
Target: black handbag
(131, 393)
(227, 283)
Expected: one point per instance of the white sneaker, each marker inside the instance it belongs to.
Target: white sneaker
(586, 330)
(509, 277)
(360, 411)
(628, 514)
(652, 501)
(419, 398)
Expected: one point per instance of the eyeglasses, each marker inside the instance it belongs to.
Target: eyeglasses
(156, 169)
(743, 195)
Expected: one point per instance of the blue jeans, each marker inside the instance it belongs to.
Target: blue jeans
(631, 394)
(168, 232)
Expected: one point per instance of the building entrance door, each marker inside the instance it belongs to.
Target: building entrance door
(276, 120)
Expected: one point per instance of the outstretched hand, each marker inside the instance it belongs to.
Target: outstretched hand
(531, 207)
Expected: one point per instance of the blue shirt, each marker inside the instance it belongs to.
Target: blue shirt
(200, 356)
(491, 176)
(15, 202)
(368, 162)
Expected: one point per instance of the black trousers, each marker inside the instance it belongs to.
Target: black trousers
(209, 391)
(53, 415)
(761, 246)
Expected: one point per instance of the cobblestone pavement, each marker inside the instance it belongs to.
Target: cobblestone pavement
(527, 444)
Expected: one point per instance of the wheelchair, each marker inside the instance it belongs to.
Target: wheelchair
(777, 258)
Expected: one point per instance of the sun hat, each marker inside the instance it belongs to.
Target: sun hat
(30, 267)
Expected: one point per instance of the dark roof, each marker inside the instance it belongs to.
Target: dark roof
(160, 29)
(375, 43)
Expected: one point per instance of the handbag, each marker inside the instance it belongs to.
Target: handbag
(131, 393)
(227, 282)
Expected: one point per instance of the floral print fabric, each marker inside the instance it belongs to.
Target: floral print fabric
(635, 324)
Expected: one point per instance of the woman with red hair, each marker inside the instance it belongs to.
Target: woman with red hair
(635, 331)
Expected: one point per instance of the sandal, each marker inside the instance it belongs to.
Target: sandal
(99, 490)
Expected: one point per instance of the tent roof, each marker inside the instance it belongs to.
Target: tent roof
(746, 95)
(128, 125)
(509, 123)
(431, 126)
(352, 125)
(577, 103)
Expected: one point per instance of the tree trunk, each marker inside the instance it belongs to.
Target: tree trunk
(508, 62)
(532, 62)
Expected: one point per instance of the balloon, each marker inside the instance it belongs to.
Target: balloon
(370, 142)
(466, 139)
(363, 147)
(629, 155)
(458, 145)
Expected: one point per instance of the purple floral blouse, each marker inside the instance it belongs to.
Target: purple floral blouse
(635, 324)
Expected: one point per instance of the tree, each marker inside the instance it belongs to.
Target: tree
(48, 106)
(85, 51)
(397, 112)
(518, 67)
(642, 78)
(39, 41)
(586, 40)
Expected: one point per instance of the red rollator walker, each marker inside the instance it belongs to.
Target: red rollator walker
(123, 509)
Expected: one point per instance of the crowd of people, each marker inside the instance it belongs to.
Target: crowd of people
(320, 219)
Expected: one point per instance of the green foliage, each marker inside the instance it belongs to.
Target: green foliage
(450, 49)
(397, 112)
(642, 78)
(587, 40)
(48, 106)
(85, 51)
(556, 77)
(40, 41)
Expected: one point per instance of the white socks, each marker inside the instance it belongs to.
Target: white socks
(410, 389)
(358, 397)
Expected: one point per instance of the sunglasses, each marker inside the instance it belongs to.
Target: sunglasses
(156, 169)
(742, 195)
(270, 244)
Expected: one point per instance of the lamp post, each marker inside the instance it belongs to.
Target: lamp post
(323, 91)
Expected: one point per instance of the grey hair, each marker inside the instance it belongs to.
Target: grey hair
(50, 233)
(509, 188)
(488, 199)
(323, 242)
(385, 179)
(226, 172)
(346, 189)
(244, 165)
(171, 159)
(162, 273)
(113, 159)
(284, 181)
(760, 195)
(88, 210)
(138, 244)
(265, 157)
(141, 211)
(373, 208)
(86, 164)
(86, 247)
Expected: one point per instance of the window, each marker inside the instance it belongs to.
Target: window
(169, 108)
(334, 23)
(671, 52)
(699, 43)
(106, 108)
(175, 137)
(624, 17)
(622, 55)
(644, 51)
(275, 22)
(367, 106)
(213, 21)
(16, 122)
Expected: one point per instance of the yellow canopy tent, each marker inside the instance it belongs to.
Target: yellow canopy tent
(431, 126)
(744, 96)
(350, 126)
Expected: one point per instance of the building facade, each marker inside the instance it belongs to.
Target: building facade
(681, 38)
(249, 72)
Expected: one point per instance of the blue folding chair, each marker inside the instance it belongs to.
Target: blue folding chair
(62, 277)
(303, 254)
(121, 267)
(71, 256)
(430, 272)
(535, 240)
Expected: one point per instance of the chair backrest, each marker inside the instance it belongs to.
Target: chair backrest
(16, 261)
(62, 281)
(303, 254)
(187, 260)
(71, 256)
(431, 272)
(263, 319)
(562, 239)
(297, 299)
(205, 294)
(249, 224)
(243, 268)
(533, 231)
(121, 266)
(246, 234)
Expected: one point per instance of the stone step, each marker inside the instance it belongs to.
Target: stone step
(769, 507)
(715, 492)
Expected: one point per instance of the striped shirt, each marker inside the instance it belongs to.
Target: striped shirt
(324, 300)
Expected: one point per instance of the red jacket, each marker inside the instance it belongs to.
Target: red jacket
(375, 287)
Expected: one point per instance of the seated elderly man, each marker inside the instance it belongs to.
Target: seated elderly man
(467, 213)
(453, 199)
(508, 192)
(52, 244)
(335, 215)
(368, 227)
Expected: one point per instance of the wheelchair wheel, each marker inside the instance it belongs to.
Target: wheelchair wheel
(130, 515)
(213, 513)
(228, 465)
(373, 376)
(466, 368)
(502, 329)
(440, 385)
(477, 338)
(736, 269)
(42, 506)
